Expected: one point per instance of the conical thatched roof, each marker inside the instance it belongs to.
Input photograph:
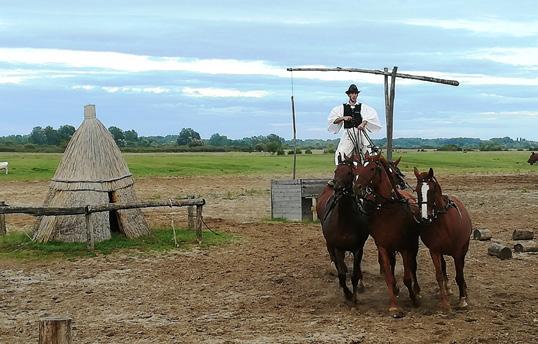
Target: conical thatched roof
(92, 172)
(92, 160)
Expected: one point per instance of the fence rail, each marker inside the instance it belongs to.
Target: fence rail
(90, 209)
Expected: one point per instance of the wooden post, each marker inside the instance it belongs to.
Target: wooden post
(521, 234)
(190, 215)
(55, 330)
(294, 137)
(390, 114)
(481, 234)
(2, 220)
(90, 244)
(199, 223)
(500, 251)
(387, 107)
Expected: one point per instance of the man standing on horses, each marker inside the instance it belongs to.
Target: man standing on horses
(355, 117)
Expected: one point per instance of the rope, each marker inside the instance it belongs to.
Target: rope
(212, 231)
(173, 226)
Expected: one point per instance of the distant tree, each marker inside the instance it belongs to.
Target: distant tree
(65, 132)
(51, 135)
(38, 136)
(130, 136)
(118, 135)
(187, 136)
(218, 140)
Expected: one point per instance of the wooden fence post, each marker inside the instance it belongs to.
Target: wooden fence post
(55, 330)
(190, 215)
(2, 220)
(90, 243)
(199, 223)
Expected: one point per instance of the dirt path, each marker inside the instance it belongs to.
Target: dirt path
(273, 284)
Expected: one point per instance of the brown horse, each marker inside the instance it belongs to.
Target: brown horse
(392, 225)
(445, 230)
(533, 158)
(344, 226)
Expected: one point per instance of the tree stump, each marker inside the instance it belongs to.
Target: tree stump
(529, 246)
(499, 250)
(481, 234)
(522, 234)
(55, 330)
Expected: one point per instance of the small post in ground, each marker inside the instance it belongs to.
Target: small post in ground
(55, 330)
(2, 220)
(199, 223)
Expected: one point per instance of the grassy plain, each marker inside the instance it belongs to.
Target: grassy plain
(41, 166)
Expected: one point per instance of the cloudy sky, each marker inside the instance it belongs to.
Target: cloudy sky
(220, 66)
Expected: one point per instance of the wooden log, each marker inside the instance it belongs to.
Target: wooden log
(528, 246)
(53, 211)
(2, 220)
(481, 234)
(500, 251)
(55, 330)
(522, 234)
(199, 223)
(378, 72)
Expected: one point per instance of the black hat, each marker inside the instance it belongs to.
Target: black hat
(352, 89)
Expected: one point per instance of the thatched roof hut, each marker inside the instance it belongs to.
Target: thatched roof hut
(92, 172)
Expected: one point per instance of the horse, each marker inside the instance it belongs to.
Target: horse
(344, 226)
(446, 229)
(533, 158)
(392, 224)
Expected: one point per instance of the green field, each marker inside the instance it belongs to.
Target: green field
(31, 166)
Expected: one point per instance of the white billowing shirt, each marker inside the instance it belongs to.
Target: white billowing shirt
(345, 146)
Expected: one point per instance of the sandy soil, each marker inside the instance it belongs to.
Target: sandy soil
(274, 284)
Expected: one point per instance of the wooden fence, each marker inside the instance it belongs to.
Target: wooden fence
(193, 220)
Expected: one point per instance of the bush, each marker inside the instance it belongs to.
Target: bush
(280, 152)
(308, 151)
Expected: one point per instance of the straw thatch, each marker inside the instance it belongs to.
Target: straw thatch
(92, 172)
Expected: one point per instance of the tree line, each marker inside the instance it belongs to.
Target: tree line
(55, 140)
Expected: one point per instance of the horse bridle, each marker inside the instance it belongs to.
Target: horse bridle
(435, 211)
(369, 190)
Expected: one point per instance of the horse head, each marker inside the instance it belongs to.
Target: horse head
(429, 192)
(368, 176)
(397, 174)
(343, 174)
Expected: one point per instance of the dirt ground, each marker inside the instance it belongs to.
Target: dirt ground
(274, 284)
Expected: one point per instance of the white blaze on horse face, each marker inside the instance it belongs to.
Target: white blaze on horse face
(424, 206)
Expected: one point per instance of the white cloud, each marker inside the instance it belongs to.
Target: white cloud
(84, 87)
(222, 92)
(504, 114)
(491, 26)
(128, 89)
(513, 56)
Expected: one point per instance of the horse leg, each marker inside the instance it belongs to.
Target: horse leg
(342, 272)
(460, 262)
(443, 265)
(332, 267)
(414, 265)
(356, 277)
(394, 310)
(436, 258)
(408, 276)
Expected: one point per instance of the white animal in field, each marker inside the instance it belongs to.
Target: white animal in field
(4, 166)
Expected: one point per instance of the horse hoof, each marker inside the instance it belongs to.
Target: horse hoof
(360, 287)
(396, 312)
(463, 303)
(445, 307)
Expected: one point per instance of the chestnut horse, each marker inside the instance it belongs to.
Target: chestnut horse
(392, 223)
(344, 225)
(533, 158)
(445, 230)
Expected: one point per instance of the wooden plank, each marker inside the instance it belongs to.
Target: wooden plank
(90, 240)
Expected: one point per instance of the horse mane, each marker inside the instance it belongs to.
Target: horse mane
(386, 166)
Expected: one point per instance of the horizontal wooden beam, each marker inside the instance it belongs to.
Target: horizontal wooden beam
(54, 211)
(378, 72)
